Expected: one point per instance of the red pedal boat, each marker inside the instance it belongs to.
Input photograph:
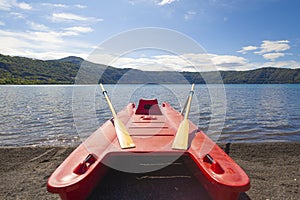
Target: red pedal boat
(153, 135)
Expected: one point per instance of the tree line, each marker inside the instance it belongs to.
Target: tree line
(21, 70)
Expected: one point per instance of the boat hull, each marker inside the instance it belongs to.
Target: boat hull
(153, 135)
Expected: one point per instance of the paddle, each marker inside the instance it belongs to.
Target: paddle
(182, 135)
(123, 136)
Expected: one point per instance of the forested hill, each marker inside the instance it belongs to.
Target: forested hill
(20, 70)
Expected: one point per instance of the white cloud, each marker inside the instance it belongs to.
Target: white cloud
(9, 4)
(37, 44)
(59, 5)
(36, 26)
(273, 46)
(80, 29)
(24, 6)
(272, 50)
(2, 23)
(55, 5)
(187, 62)
(189, 15)
(50, 37)
(228, 61)
(148, 64)
(67, 17)
(151, 63)
(273, 56)
(283, 64)
(76, 30)
(247, 48)
(269, 50)
(184, 62)
(165, 2)
(63, 17)
(5, 5)
(50, 55)
(17, 15)
(80, 6)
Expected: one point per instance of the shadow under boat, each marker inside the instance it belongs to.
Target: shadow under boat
(177, 179)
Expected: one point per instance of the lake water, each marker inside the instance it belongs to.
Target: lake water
(67, 114)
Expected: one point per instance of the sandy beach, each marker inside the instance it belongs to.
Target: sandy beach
(273, 169)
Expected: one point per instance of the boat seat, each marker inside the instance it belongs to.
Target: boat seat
(148, 107)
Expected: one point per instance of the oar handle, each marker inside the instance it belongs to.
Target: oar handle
(111, 107)
(189, 101)
(182, 135)
(123, 136)
(103, 89)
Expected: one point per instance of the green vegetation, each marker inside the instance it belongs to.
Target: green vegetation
(20, 70)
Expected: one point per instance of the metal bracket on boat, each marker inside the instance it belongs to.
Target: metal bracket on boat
(215, 166)
(82, 167)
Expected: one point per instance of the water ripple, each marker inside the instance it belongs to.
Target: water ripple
(44, 115)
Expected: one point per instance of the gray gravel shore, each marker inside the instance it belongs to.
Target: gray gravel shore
(273, 169)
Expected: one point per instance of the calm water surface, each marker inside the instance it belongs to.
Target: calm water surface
(66, 115)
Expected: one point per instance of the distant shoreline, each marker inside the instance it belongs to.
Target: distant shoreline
(22, 71)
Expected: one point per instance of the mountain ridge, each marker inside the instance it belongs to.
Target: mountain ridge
(69, 70)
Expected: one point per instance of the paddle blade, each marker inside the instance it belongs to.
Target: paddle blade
(123, 135)
(181, 138)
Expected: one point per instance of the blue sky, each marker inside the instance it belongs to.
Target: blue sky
(236, 34)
